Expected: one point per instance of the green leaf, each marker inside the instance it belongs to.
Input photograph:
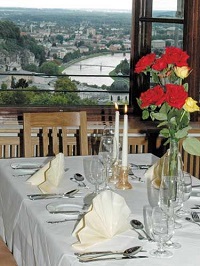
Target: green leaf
(138, 101)
(164, 123)
(155, 77)
(145, 114)
(165, 108)
(185, 85)
(192, 146)
(153, 107)
(165, 132)
(182, 133)
(173, 121)
(160, 116)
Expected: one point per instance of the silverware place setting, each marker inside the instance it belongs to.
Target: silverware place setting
(110, 255)
(69, 194)
(140, 166)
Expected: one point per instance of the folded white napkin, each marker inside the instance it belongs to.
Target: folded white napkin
(107, 218)
(153, 174)
(49, 176)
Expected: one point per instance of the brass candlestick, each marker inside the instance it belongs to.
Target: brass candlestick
(123, 182)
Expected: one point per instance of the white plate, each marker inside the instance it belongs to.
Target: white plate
(26, 165)
(61, 208)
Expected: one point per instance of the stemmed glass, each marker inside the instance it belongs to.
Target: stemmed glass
(162, 231)
(186, 192)
(107, 155)
(97, 176)
(93, 170)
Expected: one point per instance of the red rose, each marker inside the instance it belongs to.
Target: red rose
(176, 95)
(144, 62)
(154, 96)
(176, 56)
(159, 64)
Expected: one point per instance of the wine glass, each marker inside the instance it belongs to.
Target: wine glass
(162, 231)
(97, 176)
(94, 172)
(107, 155)
(186, 189)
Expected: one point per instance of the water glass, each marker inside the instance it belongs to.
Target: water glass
(186, 192)
(108, 155)
(162, 231)
(94, 172)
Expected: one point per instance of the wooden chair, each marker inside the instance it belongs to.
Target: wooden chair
(138, 144)
(50, 132)
(191, 163)
(9, 147)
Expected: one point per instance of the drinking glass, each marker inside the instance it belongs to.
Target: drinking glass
(107, 155)
(94, 172)
(186, 189)
(162, 231)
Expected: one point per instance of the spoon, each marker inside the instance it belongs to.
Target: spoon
(138, 225)
(78, 178)
(140, 236)
(95, 254)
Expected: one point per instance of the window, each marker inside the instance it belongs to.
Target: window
(178, 27)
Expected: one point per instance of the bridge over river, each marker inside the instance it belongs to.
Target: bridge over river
(90, 65)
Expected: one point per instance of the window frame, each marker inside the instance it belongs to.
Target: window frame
(141, 45)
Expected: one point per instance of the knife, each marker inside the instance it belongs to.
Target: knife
(111, 258)
(65, 212)
(69, 194)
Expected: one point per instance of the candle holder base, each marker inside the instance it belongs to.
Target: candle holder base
(123, 182)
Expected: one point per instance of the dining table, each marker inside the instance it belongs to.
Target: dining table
(25, 227)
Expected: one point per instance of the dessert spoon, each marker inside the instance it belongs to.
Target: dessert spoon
(138, 225)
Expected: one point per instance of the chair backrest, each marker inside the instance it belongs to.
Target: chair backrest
(191, 163)
(50, 131)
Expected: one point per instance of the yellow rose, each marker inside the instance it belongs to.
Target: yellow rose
(182, 72)
(191, 105)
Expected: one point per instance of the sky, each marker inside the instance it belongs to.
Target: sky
(88, 4)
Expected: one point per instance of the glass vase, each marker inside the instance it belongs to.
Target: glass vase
(173, 170)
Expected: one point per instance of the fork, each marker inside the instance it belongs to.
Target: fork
(195, 217)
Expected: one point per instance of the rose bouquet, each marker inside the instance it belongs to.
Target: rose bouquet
(168, 101)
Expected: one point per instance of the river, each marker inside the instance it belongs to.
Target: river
(100, 65)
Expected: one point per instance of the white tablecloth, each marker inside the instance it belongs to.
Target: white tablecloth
(35, 242)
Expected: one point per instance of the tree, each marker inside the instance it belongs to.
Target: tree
(4, 86)
(49, 68)
(31, 68)
(60, 38)
(21, 83)
(64, 83)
